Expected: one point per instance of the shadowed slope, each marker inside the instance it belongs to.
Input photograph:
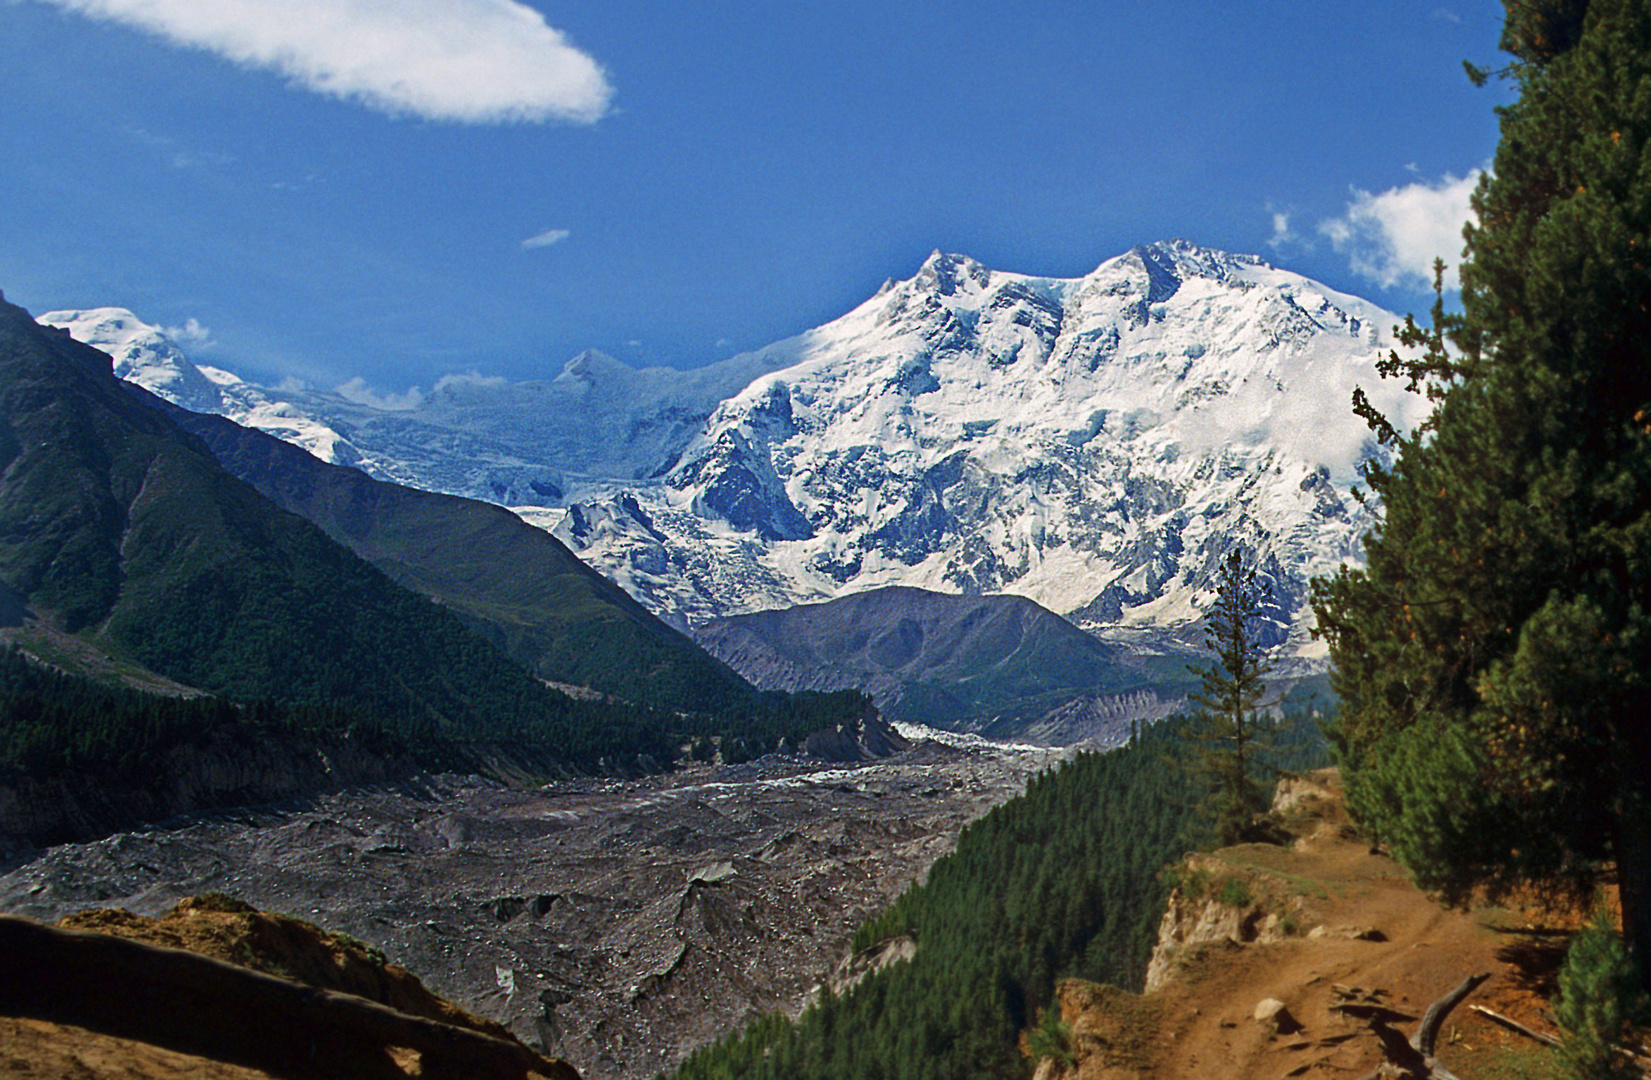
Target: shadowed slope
(951, 661)
(514, 583)
(120, 528)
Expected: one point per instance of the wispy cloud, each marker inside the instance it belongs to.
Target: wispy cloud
(358, 391)
(1446, 15)
(1283, 235)
(545, 239)
(472, 61)
(190, 335)
(470, 380)
(1392, 237)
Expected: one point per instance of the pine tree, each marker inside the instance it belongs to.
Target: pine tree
(1232, 732)
(1494, 657)
(1599, 999)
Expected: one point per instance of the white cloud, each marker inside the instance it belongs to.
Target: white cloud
(1394, 236)
(462, 380)
(1283, 235)
(191, 333)
(358, 391)
(472, 61)
(545, 239)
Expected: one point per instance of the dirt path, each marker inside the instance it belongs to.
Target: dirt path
(1322, 914)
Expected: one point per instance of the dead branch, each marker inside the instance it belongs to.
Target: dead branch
(1514, 1025)
(1412, 1059)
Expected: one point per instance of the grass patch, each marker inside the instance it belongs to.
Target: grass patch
(1506, 1063)
(1296, 885)
(1235, 893)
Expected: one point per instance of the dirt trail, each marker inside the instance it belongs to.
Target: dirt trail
(1305, 919)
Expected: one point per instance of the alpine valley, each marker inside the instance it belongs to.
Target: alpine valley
(990, 502)
(1095, 444)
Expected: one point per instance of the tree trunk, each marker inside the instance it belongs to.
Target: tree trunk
(1633, 851)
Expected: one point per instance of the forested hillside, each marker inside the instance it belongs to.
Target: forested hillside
(122, 538)
(513, 583)
(1066, 880)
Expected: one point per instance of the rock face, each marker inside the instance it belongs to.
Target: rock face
(1202, 912)
(268, 993)
(868, 737)
(1095, 444)
(869, 961)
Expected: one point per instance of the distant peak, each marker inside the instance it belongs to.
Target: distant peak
(589, 366)
(1184, 259)
(947, 273)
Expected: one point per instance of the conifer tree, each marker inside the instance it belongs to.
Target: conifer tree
(1232, 732)
(1494, 657)
(1599, 1000)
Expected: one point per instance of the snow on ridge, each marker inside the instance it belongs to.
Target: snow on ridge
(1094, 443)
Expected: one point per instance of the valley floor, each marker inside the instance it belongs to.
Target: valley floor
(620, 923)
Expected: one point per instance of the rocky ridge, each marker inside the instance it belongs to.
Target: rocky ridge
(999, 665)
(174, 995)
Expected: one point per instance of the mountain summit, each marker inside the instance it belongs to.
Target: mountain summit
(1094, 443)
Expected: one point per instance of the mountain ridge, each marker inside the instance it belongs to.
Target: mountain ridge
(515, 584)
(1000, 665)
(1093, 443)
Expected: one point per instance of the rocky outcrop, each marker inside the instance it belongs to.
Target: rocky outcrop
(199, 1005)
(1213, 904)
(862, 965)
(866, 738)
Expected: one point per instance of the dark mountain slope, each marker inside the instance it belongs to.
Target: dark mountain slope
(119, 527)
(969, 662)
(512, 582)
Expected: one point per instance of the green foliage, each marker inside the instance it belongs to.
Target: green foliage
(531, 597)
(52, 723)
(1234, 736)
(1494, 657)
(1599, 1000)
(1050, 1037)
(1064, 880)
(1235, 893)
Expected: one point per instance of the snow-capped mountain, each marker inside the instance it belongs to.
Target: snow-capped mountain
(1096, 444)
(518, 444)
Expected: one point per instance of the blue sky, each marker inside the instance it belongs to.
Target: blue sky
(398, 189)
